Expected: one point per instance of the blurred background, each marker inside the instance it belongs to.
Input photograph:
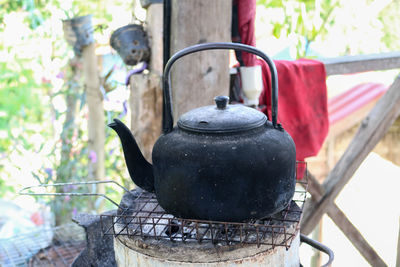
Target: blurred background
(44, 111)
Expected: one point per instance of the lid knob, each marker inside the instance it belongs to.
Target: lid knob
(221, 101)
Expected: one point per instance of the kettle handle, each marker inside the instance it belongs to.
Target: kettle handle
(168, 119)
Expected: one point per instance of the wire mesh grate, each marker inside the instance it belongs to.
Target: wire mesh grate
(57, 246)
(146, 219)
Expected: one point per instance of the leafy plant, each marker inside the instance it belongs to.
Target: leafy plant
(43, 135)
(389, 17)
(304, 19)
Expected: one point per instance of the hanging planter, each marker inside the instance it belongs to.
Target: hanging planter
(78, 32)
(131, 44)
(147, 3)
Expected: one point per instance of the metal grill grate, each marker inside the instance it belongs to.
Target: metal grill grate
(57, 246)
(146, 219)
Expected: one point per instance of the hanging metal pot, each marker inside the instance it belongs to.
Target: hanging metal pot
(78, 32)
(131, 44)
(221, 163)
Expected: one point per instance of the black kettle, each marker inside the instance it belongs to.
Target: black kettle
(221, 163)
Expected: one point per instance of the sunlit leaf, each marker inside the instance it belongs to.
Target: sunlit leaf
(277, 30)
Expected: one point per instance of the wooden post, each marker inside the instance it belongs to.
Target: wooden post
(96, 121)
(192, 22)
(65, 169)
(196, 79)
(155, 33)
(146, 96)
(145, 104)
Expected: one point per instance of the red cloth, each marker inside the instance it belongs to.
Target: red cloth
(302, 102)
(246, 17)
(302, 107)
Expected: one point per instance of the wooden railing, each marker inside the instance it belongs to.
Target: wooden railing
(354, 64)
(370, 132)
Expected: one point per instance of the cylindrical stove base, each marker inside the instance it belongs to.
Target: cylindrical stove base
(134, 252)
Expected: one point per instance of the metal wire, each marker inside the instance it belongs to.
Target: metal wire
(22, 191)
(57, 246)
(146, 219)
(149, 220)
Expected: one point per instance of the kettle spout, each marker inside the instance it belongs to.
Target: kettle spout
(140, 170)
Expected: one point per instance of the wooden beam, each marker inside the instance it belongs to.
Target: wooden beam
(372, 129)
(154, 20)
(145, 98)
(345, 225)
(96, 120)
(354, 64)
(196, 79)
(145, 103)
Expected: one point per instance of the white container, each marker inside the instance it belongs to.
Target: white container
(252, 84)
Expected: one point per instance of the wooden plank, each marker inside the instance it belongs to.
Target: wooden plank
(145, 98)
(96, 120)
(372, 129)
(345, 225)
(361, 63)
(145, 103)
(196, 79)
(154, 19)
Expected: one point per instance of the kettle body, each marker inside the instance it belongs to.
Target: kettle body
(233, 177)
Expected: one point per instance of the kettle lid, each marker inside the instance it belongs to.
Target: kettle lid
(222, 118)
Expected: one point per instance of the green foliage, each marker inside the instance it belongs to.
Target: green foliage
(18, 96)
(335, 25)
(36, 10)
(38, 141)
(390, 19)
(305, 19)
